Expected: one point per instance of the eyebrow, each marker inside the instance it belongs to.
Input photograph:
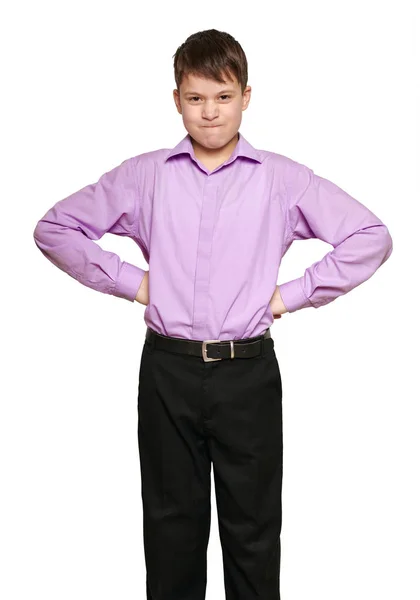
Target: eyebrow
(221, 92)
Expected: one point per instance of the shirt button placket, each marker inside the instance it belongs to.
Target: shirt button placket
(205, 238)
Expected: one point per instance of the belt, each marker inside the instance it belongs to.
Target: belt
(211, 350)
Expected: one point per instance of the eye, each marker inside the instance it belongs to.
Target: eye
(222, 96)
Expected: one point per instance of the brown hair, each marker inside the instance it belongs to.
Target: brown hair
(211, 54)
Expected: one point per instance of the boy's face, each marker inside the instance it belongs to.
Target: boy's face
(212, 118)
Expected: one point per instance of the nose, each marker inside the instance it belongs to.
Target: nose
(209, 112)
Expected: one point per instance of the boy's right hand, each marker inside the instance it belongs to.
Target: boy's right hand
(277, 305)
(143, 291)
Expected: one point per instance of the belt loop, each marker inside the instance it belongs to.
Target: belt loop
(151, 338)
(263, 346)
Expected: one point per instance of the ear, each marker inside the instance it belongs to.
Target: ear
(177, 101)
(246, 97)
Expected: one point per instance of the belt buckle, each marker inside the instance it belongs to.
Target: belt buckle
(204, 350)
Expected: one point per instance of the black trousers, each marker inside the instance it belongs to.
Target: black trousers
(192, 414)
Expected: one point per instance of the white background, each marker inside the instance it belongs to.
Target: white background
(88, 84)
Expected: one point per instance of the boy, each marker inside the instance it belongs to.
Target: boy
(213, 218)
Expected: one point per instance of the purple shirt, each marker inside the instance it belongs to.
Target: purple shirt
(214, 240)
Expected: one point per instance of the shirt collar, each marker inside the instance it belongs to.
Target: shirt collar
(242, 148)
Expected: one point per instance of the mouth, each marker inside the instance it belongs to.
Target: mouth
(211, 126)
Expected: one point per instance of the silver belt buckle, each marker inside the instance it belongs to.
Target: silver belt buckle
(204, 350)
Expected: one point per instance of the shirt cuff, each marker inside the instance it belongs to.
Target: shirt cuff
(292, 295)
(128, 282)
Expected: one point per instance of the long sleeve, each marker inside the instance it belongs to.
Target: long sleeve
(318, 208)
(66, 233)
